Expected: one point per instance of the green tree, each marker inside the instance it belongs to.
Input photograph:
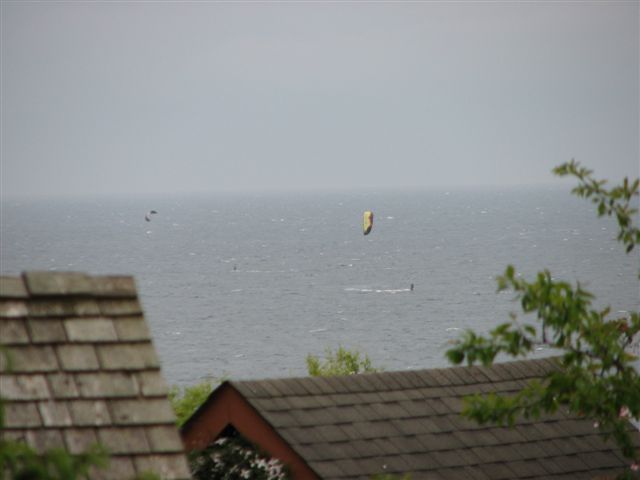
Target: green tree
(595, 378)
(342, 362)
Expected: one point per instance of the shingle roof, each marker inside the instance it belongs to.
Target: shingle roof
(409, 422)
(83, 370)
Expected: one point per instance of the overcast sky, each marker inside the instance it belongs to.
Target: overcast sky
(122, 97)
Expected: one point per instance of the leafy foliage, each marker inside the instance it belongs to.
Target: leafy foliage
(20, 462)
(617, 201)
(595, 377)
(186, 401)
(147, 476)
(390, 476)
(342, 362)
(234, 458)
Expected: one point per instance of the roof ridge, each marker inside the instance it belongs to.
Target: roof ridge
(66, 284)
(398, 379)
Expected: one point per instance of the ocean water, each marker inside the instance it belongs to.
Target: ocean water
(246, 286)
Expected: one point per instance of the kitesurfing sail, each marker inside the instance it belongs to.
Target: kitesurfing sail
(367, 223)
(147, 217)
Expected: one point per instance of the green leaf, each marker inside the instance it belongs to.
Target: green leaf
(455, 356)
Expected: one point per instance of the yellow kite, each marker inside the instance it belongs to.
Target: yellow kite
(367, 223)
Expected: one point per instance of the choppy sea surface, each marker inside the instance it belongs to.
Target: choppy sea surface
(246, 286)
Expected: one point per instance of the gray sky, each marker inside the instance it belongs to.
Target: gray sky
(122, 97)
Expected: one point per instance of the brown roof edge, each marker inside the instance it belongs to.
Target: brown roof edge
(227, 406)
(193, 420)
(12, 287)
(65, 284)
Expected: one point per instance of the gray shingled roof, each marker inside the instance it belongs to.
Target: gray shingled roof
(84, 371)
(409, 422)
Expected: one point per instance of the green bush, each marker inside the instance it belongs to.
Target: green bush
(342, 362)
